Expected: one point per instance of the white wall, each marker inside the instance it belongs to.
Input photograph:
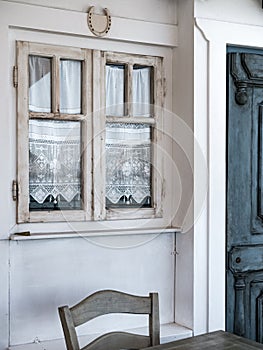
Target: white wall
(199, 99)
(230, 11)
(50, 273)
(4, 293)
(39, 275)
(158, 11)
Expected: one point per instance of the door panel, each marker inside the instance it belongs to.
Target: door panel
(245, 194)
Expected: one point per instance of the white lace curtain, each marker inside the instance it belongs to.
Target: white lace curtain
(40, 85)
(128, 146)
(141, 91)
(115, 90)
(70, 87)
(128, 163)
(54, 146)
(54, 160)
(55, 151)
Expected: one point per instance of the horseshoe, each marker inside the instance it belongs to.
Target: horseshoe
(99, 25)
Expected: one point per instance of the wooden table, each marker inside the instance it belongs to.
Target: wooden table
(216, 340)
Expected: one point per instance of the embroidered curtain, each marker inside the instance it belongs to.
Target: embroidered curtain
(54, 146)
(40, 85)
(54, 160)
(128, 163)
(115, 91)
(128, 145)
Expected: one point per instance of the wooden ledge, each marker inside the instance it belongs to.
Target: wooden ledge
(24, 236)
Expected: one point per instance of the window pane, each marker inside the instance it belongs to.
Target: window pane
(115, 90)
(70, 87)
(142, 91)
(39, 84)
(128, 165)
(54, 164)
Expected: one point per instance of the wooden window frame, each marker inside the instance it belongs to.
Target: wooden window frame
(156, 121)
(93, 118)
(24, 49)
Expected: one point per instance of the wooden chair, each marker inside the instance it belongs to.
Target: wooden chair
(106, 302)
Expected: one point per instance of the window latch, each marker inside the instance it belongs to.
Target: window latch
(14, 190)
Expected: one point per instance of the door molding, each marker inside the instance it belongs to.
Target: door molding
(214, 38)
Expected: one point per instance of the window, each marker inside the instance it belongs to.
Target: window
(133, 92)
(89, 131)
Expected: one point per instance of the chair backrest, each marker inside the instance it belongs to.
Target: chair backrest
(106, 302)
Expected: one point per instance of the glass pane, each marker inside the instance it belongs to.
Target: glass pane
(54, 164)
(128, 165)
(115, 90)
(70, 87)
(40, 84)
(142, 91)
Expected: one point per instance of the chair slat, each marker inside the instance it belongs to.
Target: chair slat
(105, 302)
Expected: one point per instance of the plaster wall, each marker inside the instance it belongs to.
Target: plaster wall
(39, 275)
(50, 273)
(32, 269)
(249, 13)
(157, 11)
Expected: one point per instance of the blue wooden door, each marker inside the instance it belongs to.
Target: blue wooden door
(245, 193)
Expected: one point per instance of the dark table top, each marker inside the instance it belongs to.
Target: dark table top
(216, 340)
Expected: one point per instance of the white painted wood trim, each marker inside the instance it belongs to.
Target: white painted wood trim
(135, 120)
(124, 58)
(57, 216)
(74, 53)
(130, 213)
(22, 133)
(36, 18)
(201, 235)
(128, 84)
(169, 332)
(217, 187)
(158, 140)
(120, 232)
(87, 135)
(99, 102)
(218, 35)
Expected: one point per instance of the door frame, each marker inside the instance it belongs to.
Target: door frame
(214, 36)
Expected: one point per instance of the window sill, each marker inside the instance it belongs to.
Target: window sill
(24, 236)
(169, 332)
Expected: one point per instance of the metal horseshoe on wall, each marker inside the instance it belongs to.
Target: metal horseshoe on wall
(99, 25)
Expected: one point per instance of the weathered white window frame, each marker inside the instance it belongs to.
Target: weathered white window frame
(24, 49)
(93, 119)
(156, 121)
